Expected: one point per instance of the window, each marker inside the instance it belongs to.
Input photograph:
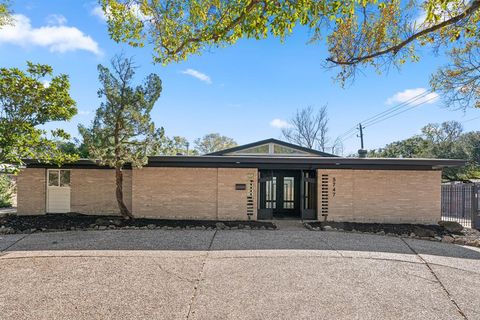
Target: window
(286, 150)
(59, 178)
(64, 178)
(53, 178)
(271, 193)
(264, 148)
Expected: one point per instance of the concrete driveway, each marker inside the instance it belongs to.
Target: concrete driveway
(236, 274)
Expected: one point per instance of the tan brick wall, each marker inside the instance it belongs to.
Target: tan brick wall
(31, 189)
(93, 191)
(191, 193)
(396, 196)
(232, 204)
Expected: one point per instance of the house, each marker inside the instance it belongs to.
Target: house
(268, 179)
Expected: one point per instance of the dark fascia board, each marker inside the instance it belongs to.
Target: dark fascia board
(271, 140)
(317, 161)
(79, 164)
(276, 163)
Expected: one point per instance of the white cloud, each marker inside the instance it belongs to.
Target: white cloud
(97, 11)
(197, 74)
(46, 83)
(280, 124)
(56, 20)
(57, 38)
(410, 94)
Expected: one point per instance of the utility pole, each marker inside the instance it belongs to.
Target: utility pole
(362, 153)
(360, 127)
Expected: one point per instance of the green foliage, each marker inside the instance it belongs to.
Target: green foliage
(122, 131)
(176, 145)
(360, 32)
(459, 81)
(74, 147)
(213, 142)
(5, 13)
(6, 191)
(26, 103)
(178, 28)
(445, 141)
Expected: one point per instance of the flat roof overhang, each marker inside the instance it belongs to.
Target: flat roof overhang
(304, 163)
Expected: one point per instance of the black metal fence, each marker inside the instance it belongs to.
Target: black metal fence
(460, 203)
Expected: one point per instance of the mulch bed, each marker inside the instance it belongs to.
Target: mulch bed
(397, 229)
(61, 222)
(470, 237)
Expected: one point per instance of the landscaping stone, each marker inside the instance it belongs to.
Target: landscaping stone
(423, 232)
(327, 228)
(220, 225)
(451, 226)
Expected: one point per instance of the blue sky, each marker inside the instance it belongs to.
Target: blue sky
(237, 91)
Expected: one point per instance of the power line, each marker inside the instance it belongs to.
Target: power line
(398, 107)
(405, 110)
(385, 113)
(470, 120)
(390, 115)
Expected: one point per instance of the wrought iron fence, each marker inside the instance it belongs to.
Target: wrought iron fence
(460, 203)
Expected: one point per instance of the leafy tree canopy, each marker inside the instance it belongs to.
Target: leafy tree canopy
(213, 142)
(28, 100)
(446, 141)
(122, 131)
(75, 147)
(374, 33)
(5, 13)
(175, 146)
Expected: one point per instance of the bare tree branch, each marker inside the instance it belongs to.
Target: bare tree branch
(308, 128)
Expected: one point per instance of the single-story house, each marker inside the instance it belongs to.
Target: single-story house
(267, 179)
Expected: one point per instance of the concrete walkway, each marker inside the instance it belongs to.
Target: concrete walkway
(237, 274)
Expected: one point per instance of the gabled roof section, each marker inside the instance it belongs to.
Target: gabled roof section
(271, 148)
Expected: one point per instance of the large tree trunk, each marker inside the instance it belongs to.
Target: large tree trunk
(119, 192)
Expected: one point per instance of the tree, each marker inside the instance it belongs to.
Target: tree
(178, 29)
(445, 140)
(122, 131)
(5, 13)
(213, 142)
(6, 190)
(459, 81)
(413, 147)
(359, 33)
(308, 128)
(26, 103)
(176, 145)
(74, 147)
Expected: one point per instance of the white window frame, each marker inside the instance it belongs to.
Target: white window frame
(59, 173)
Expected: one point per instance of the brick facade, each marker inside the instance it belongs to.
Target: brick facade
(93, 191)
(396, 196)
(192, 193)
(31, 191)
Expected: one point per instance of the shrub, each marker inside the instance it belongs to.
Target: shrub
(6, 191)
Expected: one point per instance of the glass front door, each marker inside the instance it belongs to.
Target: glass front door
(279, 194)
